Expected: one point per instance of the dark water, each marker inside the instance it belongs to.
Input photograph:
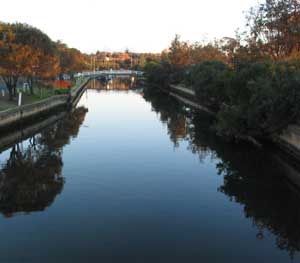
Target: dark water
(135, 177)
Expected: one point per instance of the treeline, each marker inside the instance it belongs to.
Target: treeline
(26, 52)
(252, 82)
(123, 60)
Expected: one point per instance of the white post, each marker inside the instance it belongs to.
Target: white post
(3, 92)
(20, 99)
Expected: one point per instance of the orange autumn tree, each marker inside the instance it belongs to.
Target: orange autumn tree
(71, 60)
(44, 63)
(274, 28)
(47, 67)
(8, 54)
(26, 52)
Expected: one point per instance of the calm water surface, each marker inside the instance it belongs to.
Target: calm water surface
(135, 177)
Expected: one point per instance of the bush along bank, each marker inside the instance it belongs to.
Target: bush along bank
(253, 100)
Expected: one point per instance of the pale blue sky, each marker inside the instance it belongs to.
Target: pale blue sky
(139, 25)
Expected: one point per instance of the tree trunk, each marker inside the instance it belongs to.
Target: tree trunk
(30, 83)
(14, 89)
(10, 92)
(8, 83)
(14, 82)
(11, 84)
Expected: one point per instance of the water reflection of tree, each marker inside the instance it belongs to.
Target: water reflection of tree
(252, 177)
(31, 178)
(267, 199)
(171, 114)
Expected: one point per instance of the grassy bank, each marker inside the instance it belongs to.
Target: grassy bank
(41, 91)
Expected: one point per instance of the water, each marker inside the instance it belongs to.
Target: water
(135, 177)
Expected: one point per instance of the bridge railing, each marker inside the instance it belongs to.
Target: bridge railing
(109, 72)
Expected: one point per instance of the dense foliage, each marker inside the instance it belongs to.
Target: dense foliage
(157, 73)
(263, 98)
(210, 80)
(252, 82)
(27, 52)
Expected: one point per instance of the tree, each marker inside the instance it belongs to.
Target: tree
(42, 62)
(8, 55)
(29, 53)
(210, 80)
(274, 26)
(157, 73)
(263, 99)
(210, 52)
(71, 59)
(179, 54)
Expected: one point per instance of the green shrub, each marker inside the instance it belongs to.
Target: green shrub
(263, 99)
(210, 81)
(59, 91)
(157, 73)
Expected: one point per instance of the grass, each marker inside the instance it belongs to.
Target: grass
(39, 93)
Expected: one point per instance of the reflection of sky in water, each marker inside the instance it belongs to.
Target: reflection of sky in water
(133, 195)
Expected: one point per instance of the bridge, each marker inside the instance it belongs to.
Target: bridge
(100, 73)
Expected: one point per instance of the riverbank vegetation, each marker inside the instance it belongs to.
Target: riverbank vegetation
(29, 55)
(245, 169)
(251, 82)
(32, 62)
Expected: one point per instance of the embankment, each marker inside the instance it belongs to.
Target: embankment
(14, 136)
(288, 141)
(19, 115)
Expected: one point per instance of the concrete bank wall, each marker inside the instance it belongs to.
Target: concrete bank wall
(20, 114)
(77, 93)
(18, 135)
(188, 97)
(289, 140)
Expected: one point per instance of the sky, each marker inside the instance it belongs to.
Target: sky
(139, 25)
